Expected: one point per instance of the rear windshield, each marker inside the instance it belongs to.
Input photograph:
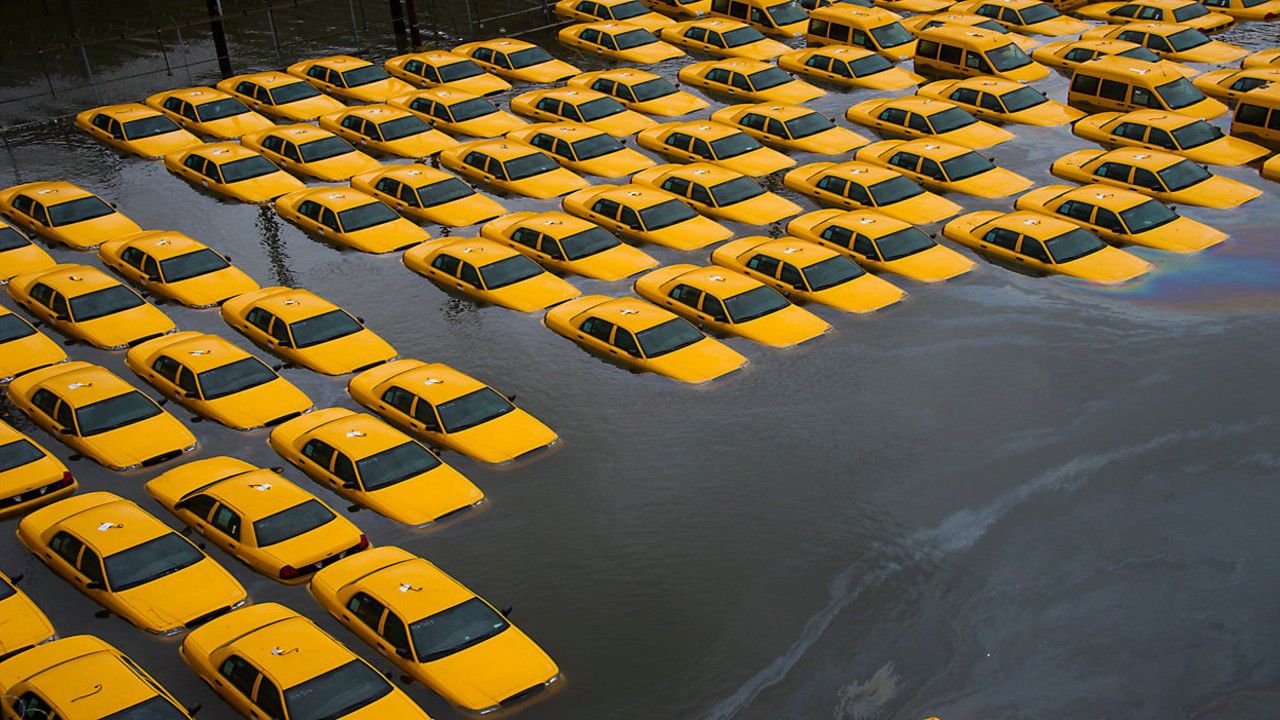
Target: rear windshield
(596, 146)
(471, 109)
(1187, 39)
(449, 631)
(1008, 57)
(831, 272)
(474, 408)
(193, 264)
(291, 523)
(900, 244)
(366, 216)
(78, 210)
(246, 169)
(1179, 93)
(364, 75)
(115, 412)
(1196, 134)
(666, 214)
(16, 454)
(403, 127)
(149, 127)
(1148, 215)
(895, 189)
(218, 109)
(324, 148)
(106, 301)
(966, 166)
(443, 192)
(1183, 175)
(528, 166)
(323, 328)
(735, 191)
(951, 119)
(11, 238)
(1022, 98)
(395, 465)
(734, 145)
(588, 243)
(529, 57)
(337, 693)
(293, 92)
(509, 271)
(653, 89)
(149, 561)
(459, 71)
(755, 303)
(668, 337)
(1072, 245)
(235, 377)
(13, 327)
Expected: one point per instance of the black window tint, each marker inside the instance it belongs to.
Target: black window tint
(1084, 84)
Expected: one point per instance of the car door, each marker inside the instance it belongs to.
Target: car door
(1000, 242)
(596, 333)
(195, 510)
(257, 324)
(1031, 252)
(163, 374)
(239, 678)
(317, 455)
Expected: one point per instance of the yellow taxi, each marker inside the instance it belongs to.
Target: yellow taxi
(806, 272)
(1002, 100)
(643, 337)
(856, 185)
(918, 23)
(618, 41)
(458, 112)
(26, 624)
(632, 12)
(1045, 245)
(350, 218)
(135, 128)
(730, 303)
(100, 416)
(1256, 10)
(374, 465)
(790, 127)
(350, 79)
(1187, 13)
(397, 603)
(719, 192)
(207, 111)
(217, 380)
(19, 255)
(512, 166)
(232, 170)
(920, 117)
(680, 8)
(881, 243)
(451, 410)
(1030, 17)
(1162, 175)
(1187, 136)
(443, 69)
(488, 272)
(960, 52)
(311, 152)
(126, 560)
(914, 6)
(1170, 41)
(517, 61)
(1114, 83)
(388, 130)
(784, 18)
(723, 38)
(1271, 168)
(847, 66)
(30, 477)
(86, 304)
(83, 678)
(258, 517)
(714, 142)
(1230, 85)
(583, 149)
(752, 80)
(1122, 216)
(944, 166)
(1069, 54)
(646, 214)
(871, 28)
(1261, 58)
(280, 95)
(268, 661)
(1257, 116)
(568, 244)
(589, 107)
(23, 348)
(640, 90)
(428, 195)
(305, 329)
(64, 213)
(175, 267)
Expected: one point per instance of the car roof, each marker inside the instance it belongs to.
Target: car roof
(572, 95)
(358, 435)
(953, 18)
(863, 173)
(75, 280)
(611, 27)
(500, 148)
(1037, 225)
(554, 223)
(52, 192)
(414, 173)
(9, 433)
(81, 683)
(257, 493)
(377, 113)
(844, 52)
(200, 351)
(632, 314)
(293, 304)
(291, 650)
(338, 62)
(114, 526)
(1140, 157)
(1159, 28)
(1267, 94)
(721, 25)
(1107, 196)
(1165, 4)
(298, 132)
(916, 103)
(1015, 4)
(437, 57)
(780, 111)
(436, 382)
(854, 14)
(636, 197)
(989, 83)
(446, 95)
(1129, 66)
(414, 588)
(162, 244)
(337, 198)
(571, 131)
(1156, 118)
(1270, 74)
(128, 111)
(1099, 44)
(702, 172)
(977, 37)
(800, 253)
(224, 152)
(194, 95)
(930, 148)
(744, 65)
(705, 129)
(269, 79)
(504, 44)
(81, 383)
(626, 76)
(868, 222)
(477, 251)
(716, 280)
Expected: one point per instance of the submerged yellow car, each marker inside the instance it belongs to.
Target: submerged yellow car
(86, 304)
(374, 465)
(1271, 168)
(23, 348)
(443, 69)
(483, 664)
(783, 18)
(217, 380)
(311, 152)
(640, 90)
(632, 12)
(512, 166)
(280, 95)
(646, 214)
(30, 477)
(1229, 86)
(1002, 100)
(350, 79)
(723, 38)
(267, 661)
(873, 28)
(1069, 54)
(583, 149)
(135, 128)
(916, 117)
(643, 337)
(1170, 41)
(714, 142)
(350, 218)
(806, 272)
(19, 255)
(751, 80)
(718, 192)
(945, 166)
(388, 130)
(1122, 216)
(232, 170)
(918, 23)
(258, 517)
(1187, 136)
(517, 61)
(458, 112)
(305, 329)
(619, 41)
(730, 303)
(126, 560)
(863, 185)
(1178, 12)
(25, 628)
(172, 266)
(64, 213)
(209, 112)
(1261, 58)
(881, 243)
(95, 413)
(1162, 175)
(1030, 17)
(451, 409)
(488, 272)
(853, 67)
(1246, 9)
(791, 127)
(680, 8)
(568, 244)
(589, 107)
(428, 195)
(1046, 245)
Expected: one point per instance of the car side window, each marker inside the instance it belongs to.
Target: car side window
(395, 632)
(65, 546)
(91, 566)
(699, 193)
(905, 160)
(279, 331)
(42, 294)
(1002, 237)
(1133, 131)
(329, 219)
(199, 505)
(526, 237)
(45, 401)
(29, 706)
(832, 184)
(1084, 84)
(680, 141)
(712, 306)
(259, 318)
(1109, 220)
(267, 698)
(837, 235)
(949, 54)
(1076, 209)
(676, 185)
(344, 469)
(740, 81)
(976, 61)
(366, 609)
(685, 294)
(1145, 98)
(897, 116)
(447, 264)
(1113, 171)
(764, 265)
(1033, 249)
(927, 49)
(917, 122)
(399, 398)
(65, 416)
(597, 328)
(607, 208)
(863, 246)
(701, 148)
(791, 275)
(469, 275)
(1160, 138)
(318, 452)
(626, 342)
(240, 674)
(1147, 179)
(551, 248)
(987, 101)
(227, 521)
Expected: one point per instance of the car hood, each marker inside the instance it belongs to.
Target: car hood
(174, 600)
(696, 232)
(267, 187)
(236, 125)
(700, 362)
(977, 135)
(92, 233)
(341, 167)
(760, 210)
(259, 405)
(319, 544)
(161, 145)
(212, 288)
(1211, 52)
(679, 103)
(21, 624)
(1182, 235)
(622, 163)
(484, 675)
(1047, 114)
(786, 327)
(133, 444)
(1108, 266)
(421, 145)
(834, 141)
(485, 84)
(932, 265)
(503, 438)
(347, 354)
(536, 293)
(863, 294)
(549, 184)
(427, 497)
(388, 237)
(995, 183)
(33, 475)
(616, 263)
(122, 328)
(1217, 192)
(922, 209)
(28, 353)
(1227, 150)
(758, 163)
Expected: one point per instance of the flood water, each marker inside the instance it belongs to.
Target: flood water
(1007, 497)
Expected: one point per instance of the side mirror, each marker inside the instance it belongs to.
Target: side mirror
(360, 320)
(277, 469)
(153, 277)
(16, 579)
(62, 317)
(66, 431)
(512, 397)
(95, 585)
(194, 710)
(278, 367)
(506, 611)
(351, 485)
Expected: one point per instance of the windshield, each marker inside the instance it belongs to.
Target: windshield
(891, 35)
(1187, 39)
(1148, 215)
(832, 272)
(900, 244)
(653, 89)
(1179, 93)
(364, 75)
(337, 693)
(193, 264)
(1072, 245)
(869, 65)
(895, 189)
(1022, 98)
(1140, 53)
(771, 77)
(403, 127)
(443, 192)
(529, 165)
(323, 328)
(668, 337)
(459, 71)
(753, 304)
(293, 92)
(596, 146)
(1196, 134)
(106, 301)
(395, 465)
(150, 127)
(149, 561)
(234, 377)
(324, 148)
(10, 238)
(993, 26)
(474, 408)
(807, 125)
(291, 523)
(471, 109)
(246, 169)
(16, 454)
(13, 327)
(79, 210)
(629, 10)
(1183, 175)
(666, 214)
(509, 271)
(634, 38)
(599, 108)
(966, 166)
(1038, 13)
(218, 109)
(951, 119)
(787, 14)
(587, 243)
(1190, 11)
(741, 36)
(1008, 57)
(366, 216)
(461, 626)
(155, 708)
(734, 145)
(735, 191)
(529, 57)
(115, 412)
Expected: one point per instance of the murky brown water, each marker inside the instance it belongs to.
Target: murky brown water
(1008, 497)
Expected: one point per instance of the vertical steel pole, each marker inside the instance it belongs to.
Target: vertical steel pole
(355, 27)
(186, 61)
(275, 37)
(219, 37)
(411, 13)
(397, 24)
(88, 70)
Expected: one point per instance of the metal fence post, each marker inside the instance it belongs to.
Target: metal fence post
(182, 47)
(355, 27)
(219, 37)
(88, 70)
(275, 37)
